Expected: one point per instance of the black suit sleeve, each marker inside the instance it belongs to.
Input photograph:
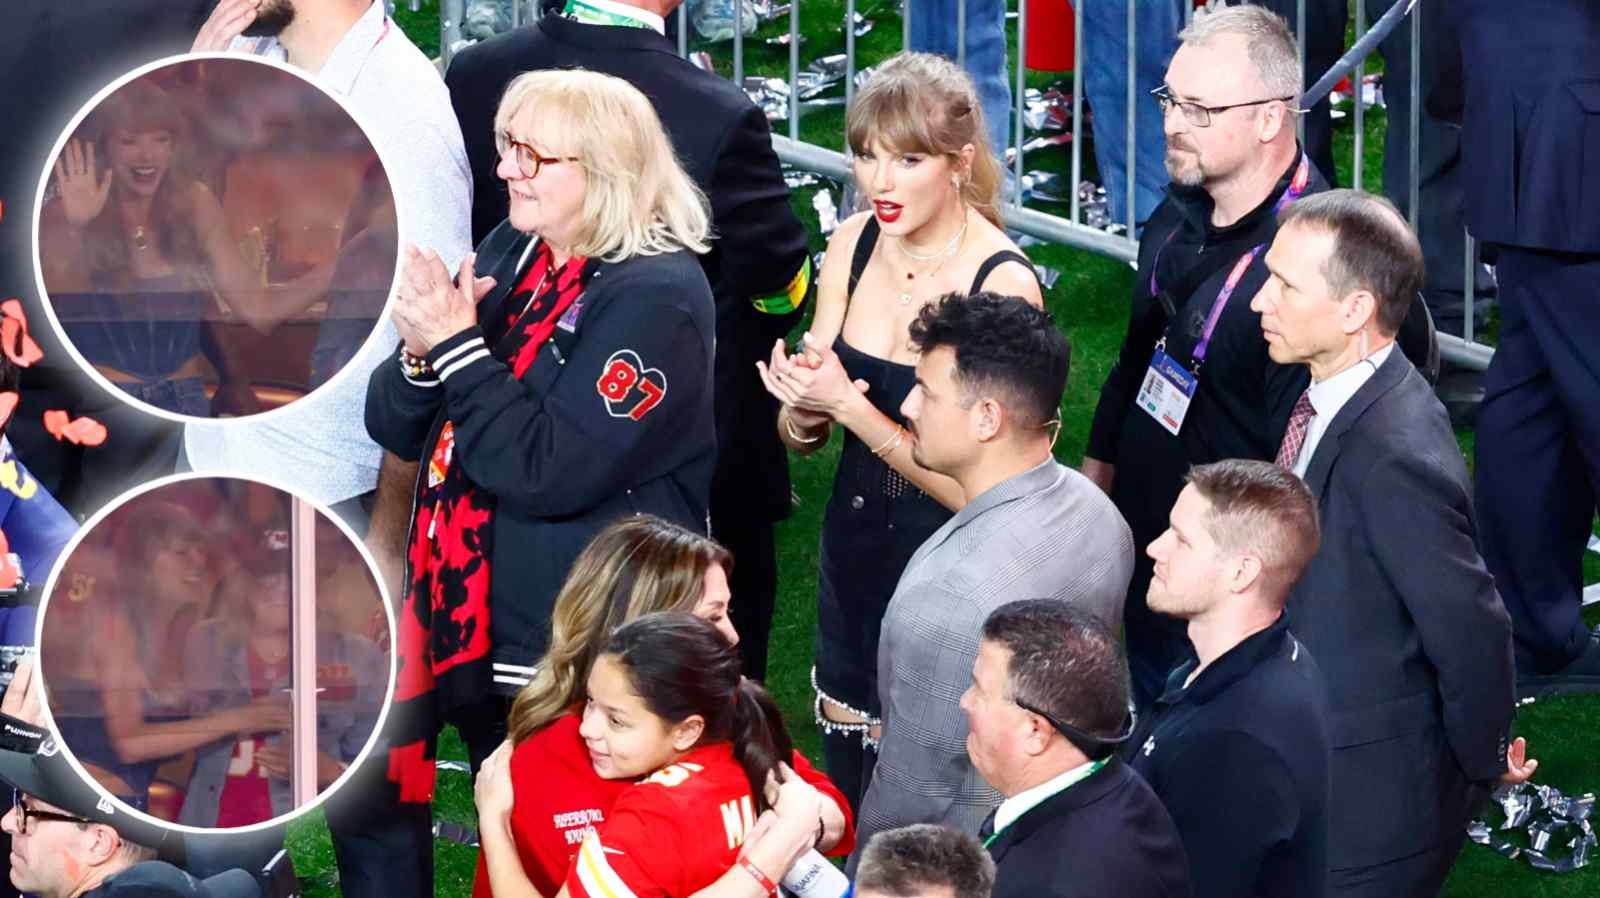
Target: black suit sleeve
(1421, 526)
(1232, 799)
(761, 244)
(475, 95)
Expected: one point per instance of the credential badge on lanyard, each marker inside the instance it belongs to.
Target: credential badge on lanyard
(1169, 386)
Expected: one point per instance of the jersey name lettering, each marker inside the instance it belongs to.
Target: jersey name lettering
(737, 818)
(582, 817)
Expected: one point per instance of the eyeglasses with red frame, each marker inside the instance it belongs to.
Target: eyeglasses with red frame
(528, 159)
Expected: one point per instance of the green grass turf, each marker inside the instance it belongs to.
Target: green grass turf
(1090, 301)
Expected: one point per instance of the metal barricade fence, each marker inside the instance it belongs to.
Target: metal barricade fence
(1072, 230)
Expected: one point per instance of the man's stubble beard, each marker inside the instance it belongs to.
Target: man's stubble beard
(1183, 166)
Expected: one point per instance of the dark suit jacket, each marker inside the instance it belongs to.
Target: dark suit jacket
(1530, 142)
(725, 144)
(1404, 620)
(1107, 835)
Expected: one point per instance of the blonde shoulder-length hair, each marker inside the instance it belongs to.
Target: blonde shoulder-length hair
(639, 201)
(634, 567)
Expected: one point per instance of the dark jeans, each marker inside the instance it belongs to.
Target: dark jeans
(848, 764)
(383, 846)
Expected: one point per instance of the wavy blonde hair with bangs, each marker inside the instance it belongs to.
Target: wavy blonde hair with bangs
(923, 103)
(639, 201)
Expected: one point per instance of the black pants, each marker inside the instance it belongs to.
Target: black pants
(754, 584)
(383, 846)
(482, 727)
(1538, 450)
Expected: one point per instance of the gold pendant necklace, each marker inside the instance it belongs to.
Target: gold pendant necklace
(141, 238)
(950, 249)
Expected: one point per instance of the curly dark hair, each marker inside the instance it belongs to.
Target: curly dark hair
(1004, 348)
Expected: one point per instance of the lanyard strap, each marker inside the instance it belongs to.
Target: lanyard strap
(1221, 302)
(1295, 190)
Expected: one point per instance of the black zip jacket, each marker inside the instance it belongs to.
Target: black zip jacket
(578, 441)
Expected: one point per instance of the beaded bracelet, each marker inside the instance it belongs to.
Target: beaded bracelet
(414, 366)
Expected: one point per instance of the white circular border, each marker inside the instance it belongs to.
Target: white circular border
(66, 751)
(38, 211)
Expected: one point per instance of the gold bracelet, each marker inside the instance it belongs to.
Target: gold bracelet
(892, 443)
(788, 424)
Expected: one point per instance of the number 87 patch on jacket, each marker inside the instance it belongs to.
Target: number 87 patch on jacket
(629, 387)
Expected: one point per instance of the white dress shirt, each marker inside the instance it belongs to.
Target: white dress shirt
(1021, 803)
(1328, 396)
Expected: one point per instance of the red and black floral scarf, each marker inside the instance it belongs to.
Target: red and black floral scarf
(443, 643)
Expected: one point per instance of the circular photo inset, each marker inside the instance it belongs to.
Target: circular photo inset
(215, 652)
(216, 237)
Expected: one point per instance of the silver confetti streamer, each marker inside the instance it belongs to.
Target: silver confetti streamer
(827, 212)
(1557, 828)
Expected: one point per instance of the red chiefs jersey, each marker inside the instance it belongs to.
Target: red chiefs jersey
(671, 835)
(560, 801)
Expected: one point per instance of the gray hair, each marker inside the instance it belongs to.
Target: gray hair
(1271, 44)
(903, 862)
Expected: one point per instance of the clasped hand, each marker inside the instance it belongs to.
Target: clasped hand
(428, 307)
(811, 380)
